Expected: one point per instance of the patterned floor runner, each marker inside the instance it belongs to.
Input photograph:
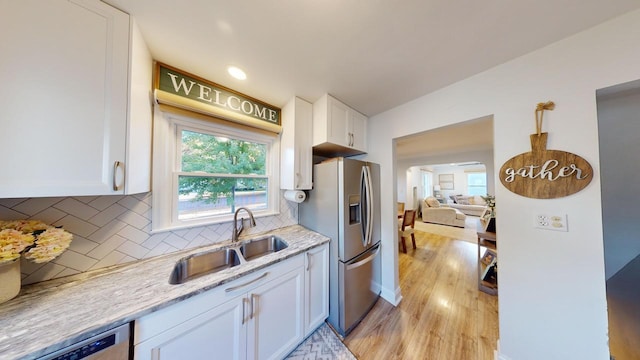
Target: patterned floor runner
(322, 344)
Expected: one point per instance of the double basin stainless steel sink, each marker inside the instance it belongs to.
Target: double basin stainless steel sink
(213, 261)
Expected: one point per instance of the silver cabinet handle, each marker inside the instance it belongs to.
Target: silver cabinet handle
(254, 300)
(234, 288)
(308, 261)
(117, 165)
(244, 300)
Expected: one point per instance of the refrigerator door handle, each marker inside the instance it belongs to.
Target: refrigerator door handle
(364, 211)
(368, 186)
(364, 261)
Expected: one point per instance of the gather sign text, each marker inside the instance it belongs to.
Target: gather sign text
(546, 171)
(545, 174)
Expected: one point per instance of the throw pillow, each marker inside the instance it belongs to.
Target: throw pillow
(432, 202)
(463, 202)
(453, 198)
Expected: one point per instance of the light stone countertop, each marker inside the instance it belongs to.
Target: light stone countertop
(50, 315)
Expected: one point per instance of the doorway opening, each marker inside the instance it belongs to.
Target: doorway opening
(619, 139)
(442, 258)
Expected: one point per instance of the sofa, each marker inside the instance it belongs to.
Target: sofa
(436, 213)
(469, 205)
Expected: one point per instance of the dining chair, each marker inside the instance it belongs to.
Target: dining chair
(406, 228)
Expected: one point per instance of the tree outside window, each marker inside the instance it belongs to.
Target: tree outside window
(218, 174)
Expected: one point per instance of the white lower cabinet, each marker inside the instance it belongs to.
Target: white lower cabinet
(218, 333)
(316, 289)
(276, 324)
(258, 316)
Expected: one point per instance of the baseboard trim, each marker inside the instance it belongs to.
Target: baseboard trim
(497, 355)
(392, 296)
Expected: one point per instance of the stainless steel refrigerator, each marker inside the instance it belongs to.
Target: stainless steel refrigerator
(345, 206)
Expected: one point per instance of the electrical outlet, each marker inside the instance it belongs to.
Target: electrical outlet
(551, 222)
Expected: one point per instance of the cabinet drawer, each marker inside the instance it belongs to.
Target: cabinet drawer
(159, 321)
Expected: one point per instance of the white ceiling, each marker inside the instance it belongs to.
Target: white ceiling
(474, 135)
(371, 54)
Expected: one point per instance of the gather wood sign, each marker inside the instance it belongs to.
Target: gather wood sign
(545, 174)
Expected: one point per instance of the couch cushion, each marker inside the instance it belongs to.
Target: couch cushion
(432, 202)
(477, 200)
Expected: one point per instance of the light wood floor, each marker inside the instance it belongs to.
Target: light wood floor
(442, 315)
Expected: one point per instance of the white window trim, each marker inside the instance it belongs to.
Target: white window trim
(165, 164)
(467, 173)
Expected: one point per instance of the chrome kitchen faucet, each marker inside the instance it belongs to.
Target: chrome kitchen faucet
(236, 232)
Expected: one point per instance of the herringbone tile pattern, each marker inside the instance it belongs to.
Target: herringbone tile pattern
(322, 344)
(111, 230)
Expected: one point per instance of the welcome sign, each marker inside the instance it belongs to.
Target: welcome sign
(173, 82)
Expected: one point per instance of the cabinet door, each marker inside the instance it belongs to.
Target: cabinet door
(316, 288)
(64, 113)
(358, 127)
(296, 158)
(219, 333)
(338, 123)
(276, 309)
(304, 155)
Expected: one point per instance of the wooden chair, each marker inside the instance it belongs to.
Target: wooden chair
(400, 209)
(405, 228)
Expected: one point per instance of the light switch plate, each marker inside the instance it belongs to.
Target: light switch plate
(551, 222)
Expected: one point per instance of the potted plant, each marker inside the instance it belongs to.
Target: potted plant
(33, 239)
(490, 219)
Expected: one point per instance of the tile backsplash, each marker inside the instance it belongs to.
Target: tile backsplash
(109, 230)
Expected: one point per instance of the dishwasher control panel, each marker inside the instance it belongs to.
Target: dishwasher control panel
(101, 343)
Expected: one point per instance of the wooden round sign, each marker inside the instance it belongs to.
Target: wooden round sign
(545, 174)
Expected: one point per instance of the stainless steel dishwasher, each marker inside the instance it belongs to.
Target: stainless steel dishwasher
(109, 345)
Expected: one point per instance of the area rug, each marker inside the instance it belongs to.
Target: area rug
(322, 344)
(468, 233)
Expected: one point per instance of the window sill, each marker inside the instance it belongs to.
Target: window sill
(221, 220)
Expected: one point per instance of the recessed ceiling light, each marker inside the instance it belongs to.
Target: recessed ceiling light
(237, 73)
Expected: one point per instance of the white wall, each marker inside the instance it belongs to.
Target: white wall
(619, 135)
(459, 178)
(552, 284)
(407, 180)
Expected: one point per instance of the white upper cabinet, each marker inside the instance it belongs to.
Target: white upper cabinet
(67, 121)
(358, 127)
(338, 129)
(296, 159)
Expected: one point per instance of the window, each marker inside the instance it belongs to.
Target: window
(213, 170)
(477, 183)
(427, 183)
(219, 174)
